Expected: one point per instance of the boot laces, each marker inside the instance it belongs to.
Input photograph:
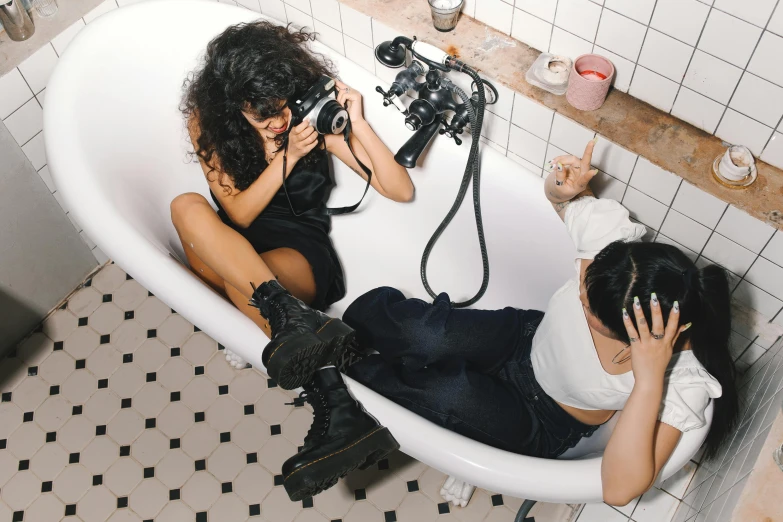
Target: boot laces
(271, 309)
(321, 412)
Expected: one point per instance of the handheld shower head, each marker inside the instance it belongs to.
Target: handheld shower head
(393, 53)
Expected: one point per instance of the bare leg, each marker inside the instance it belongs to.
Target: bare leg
(287, 265)
(230, 256)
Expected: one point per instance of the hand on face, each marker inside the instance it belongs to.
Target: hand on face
(351, 99)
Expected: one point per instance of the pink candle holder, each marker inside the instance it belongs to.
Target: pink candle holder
(591, 77)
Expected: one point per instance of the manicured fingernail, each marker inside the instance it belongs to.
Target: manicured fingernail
(676, 307)
(595, 140)
(559, 166)
(636, 303)
(625, 314)
(687, 326)
(654, 299)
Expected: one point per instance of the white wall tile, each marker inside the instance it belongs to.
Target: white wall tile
(86, 238)
(532, 30)
(570, 136)
(606, 187)
(41, 97)
(302, 5)
(600, 513)
(682, 19)
(686, 231)
(274, 9)
(628, 508)
(356, 25)
(553, 152)
(644, 208)
(47, 177)
(613, 159)
(298, 18)
(532, 167)
(639, 10)
(744, 229)
(768, 276)
(698, 110)
(654, 89)
(505, 101)
(620, 35)
(37, 69)
(495, 13)
(579, 17)
(712, 77)
(381, 33)
(758, 299)
(665, 55)
(774, 249)
(100, 256)
(328, 12)
(728, 254)
(60, 201)
(495, 128)
(25, 122)
(655, 506)
(35, 151)
(678, 483)
(567, 44)
(759, 99)
(773, 153)
(544, 9)
(532, 116)
(751, 355)
(253, 5)
(754, 11)
(765, 58)
(738, 129)
(623, 68)
(469, 8)
(655, 181)
(737, 344)
(61, 41)
(527, 146)
(359, 53)
(699, 205)
(329, 36)
(776, 22)
(103, 7)
(15, 93)
(729, 38)
(661, 238)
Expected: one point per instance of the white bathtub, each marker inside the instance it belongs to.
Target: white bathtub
(117, 151)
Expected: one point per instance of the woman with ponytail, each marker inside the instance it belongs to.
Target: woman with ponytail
(639, 328)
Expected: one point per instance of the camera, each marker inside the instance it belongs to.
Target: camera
(320, 108)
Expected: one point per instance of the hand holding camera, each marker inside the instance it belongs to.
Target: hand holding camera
(350, 99)
(302, 139)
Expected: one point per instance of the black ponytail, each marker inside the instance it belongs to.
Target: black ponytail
(624, 270)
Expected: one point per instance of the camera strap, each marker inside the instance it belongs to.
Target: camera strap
(330, 211)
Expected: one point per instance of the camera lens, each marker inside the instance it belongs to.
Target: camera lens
(329, 117)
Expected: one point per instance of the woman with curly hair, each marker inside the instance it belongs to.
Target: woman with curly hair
(267, 247)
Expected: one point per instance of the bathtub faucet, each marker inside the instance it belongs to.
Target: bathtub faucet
(404, 82)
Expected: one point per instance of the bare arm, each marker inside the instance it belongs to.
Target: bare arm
(390, 179)
(243, 207)
(640, 444)
(568, 179)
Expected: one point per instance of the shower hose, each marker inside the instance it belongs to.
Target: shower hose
(472, 173)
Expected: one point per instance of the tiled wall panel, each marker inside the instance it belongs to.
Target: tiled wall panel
(669, 53)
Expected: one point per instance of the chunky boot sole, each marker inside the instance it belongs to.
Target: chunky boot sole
(323, 473)
(293, 362)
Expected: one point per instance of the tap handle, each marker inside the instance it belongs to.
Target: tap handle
(451, 132)
(387, 96)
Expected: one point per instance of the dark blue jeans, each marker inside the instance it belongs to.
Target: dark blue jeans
(466, 370)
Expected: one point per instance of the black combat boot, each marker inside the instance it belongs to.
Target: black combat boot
(303, 339)
(343, 437)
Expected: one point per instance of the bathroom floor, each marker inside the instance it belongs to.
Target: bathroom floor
(119, 409)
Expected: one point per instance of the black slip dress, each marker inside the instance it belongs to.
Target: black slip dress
(276, 227)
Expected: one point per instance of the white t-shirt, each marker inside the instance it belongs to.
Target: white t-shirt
(563, 355)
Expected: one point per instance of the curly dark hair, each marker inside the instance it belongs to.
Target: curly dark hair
(251, 67)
